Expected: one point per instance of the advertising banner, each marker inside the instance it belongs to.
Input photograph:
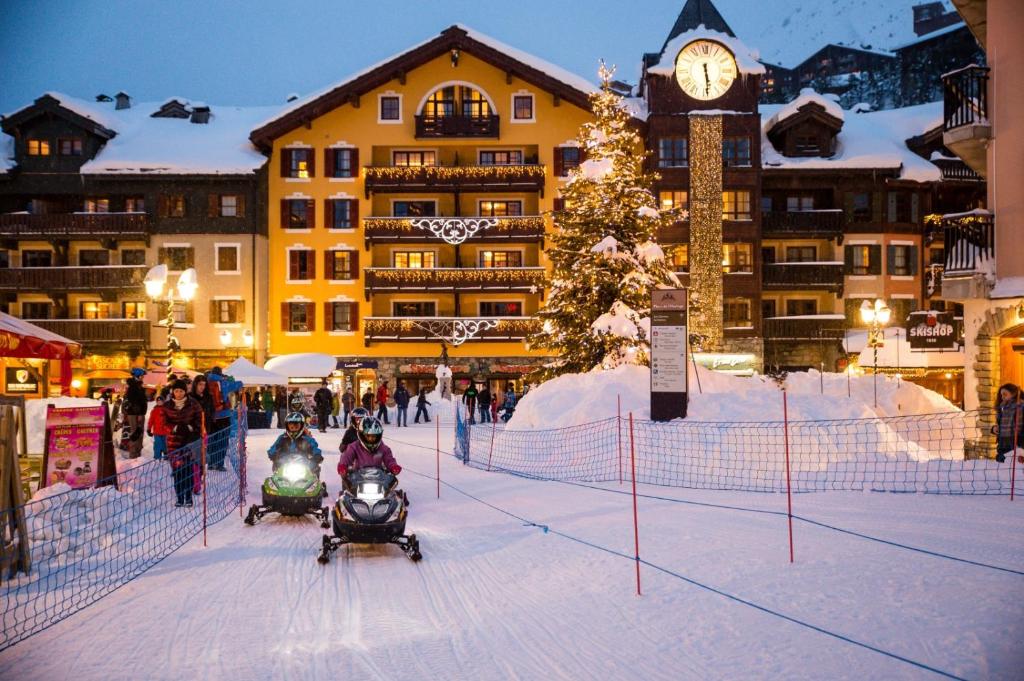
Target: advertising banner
(668, 354)
(78, 449)
(930, 330)
(19, 380)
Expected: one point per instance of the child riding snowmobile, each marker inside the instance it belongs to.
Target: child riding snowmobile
(294, 486)
(350, 435)
(370, 508)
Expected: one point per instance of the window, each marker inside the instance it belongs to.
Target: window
(135, 204)
(301, 264)
(390, 108)
(296, 214)
(903, 207)
(414, 309)
(93, 258)
(299, 317)
(801, 253)
(413, 159)
(228, 258)
(901, 261)
(341, 316)
(501, 259)
(446, 102)
(93, 310)
(736, 151)
(673, 152)
(566, 158)
(673, 199)
(736, 258)
(177, 258)
(413, 259)
(414, 209)
(522, 107)
(767, 308)
(342, 265)
(801, 307)
(901, 309)
(936, 256)
(228, 205)
(799, 203)
(736, 312)
(767, 254)
(806, 145)
(679, 257)
(501, 158)
(133, 310)
(133, 256)
(343, 213)
(171, 206)
(767, 204)
(69, 147)
(226, 311)
(495, 309)
(38, 148)
(342, 162)
(735, 205)
(297, 163)
(5, 258)
(97, 205)
(36, 310)
(501, 208)
(184, 313)
(863, 259)
(36, 258)
(861, 207)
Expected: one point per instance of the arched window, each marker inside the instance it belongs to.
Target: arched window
(463, 100)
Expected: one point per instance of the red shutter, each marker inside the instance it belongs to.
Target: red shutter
(163, 206)
(353, 310)
(557, 156)
(293, 264)
(583, 154)
(328, 262)
(240, 205)
(353, 213)
(285, 210)
(213, 206)
(311, 155)
(559, 204)
(329, 213)
(311, 214)
(354, 162)
(286, 317)
(353, 263)
(311, 316)
(329, 162)
(311, 261)
(328, 316)
(286, 163)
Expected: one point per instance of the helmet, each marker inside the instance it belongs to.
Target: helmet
(138, 372)
(370, 433)
(295, 417)
(357, 415)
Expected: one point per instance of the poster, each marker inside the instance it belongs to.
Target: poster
(20, 380)
(668, 354)
(78, 450)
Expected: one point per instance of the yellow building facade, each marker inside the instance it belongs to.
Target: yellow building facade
(410, 204)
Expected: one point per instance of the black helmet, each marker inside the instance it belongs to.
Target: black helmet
(370, 433)
(295, 417)
(357, 415)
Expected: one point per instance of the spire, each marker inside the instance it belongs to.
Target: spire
(695, 13)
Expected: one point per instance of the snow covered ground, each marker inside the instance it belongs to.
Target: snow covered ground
(498, 598)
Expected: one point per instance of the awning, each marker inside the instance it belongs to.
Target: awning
(302, 365)
(249, 374)
(23, 340)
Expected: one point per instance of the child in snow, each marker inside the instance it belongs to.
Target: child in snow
(157, 429)
(367, 451)
(350, 435)
(421, 407)
(296, 440)
(184, 418)
(1009, 428)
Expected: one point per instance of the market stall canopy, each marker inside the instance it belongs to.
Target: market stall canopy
(23, 340)
(249, 374)
(896, 352)
(302, 365)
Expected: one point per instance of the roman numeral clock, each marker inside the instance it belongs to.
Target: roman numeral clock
(705, 69)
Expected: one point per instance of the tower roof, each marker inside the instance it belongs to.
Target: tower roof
(694, 14)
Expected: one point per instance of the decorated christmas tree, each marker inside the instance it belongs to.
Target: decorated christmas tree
(604, 256)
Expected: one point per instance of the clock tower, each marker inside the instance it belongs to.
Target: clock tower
(704, 138)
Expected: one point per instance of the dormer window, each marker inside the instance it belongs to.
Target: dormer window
(457, 99)
(70, 147)
(806, 145)
(38, 148)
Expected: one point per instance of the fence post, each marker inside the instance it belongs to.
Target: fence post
(789, 492)
(203, 476)
(494, 427)
(437, 451)
(618, 431)
(1013, 454)
(636, 522)
(240, 444)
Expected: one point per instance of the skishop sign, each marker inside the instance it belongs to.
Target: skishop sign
(668, 354)
(931, 331)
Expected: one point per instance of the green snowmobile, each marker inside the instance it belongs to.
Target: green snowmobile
(294, 487)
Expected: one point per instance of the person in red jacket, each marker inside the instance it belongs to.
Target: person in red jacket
(158, 429)
(184, 418)
(368, 450)
(382, 402)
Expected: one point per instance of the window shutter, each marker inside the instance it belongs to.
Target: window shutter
(875, 263)
(190, 257)
(354, 161)
(877, 199)
(190, 313)
(311, 155)
(161, 256)
(328, 316)
(329, 162)
(353, 213)
(328, 264)
(891, 216)
(162, 206)
(353, 272)
(284, 213)
(890, 259)
(286, 317)
(286, 163)
(848, 206)
(353, 310)
(559, 204)
(311, 316)
(213, 205)
(311, 213)
(293, 265)
(913, 259)
(213, 312)
(311, 261)
(559, 166)
(915, 207)
(583, 154)
(240, 205)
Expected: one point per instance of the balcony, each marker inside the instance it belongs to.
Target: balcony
(933, 281)
(970, 249)
(453, 230)
(811, 224)
(826, 276)
(93, 331)
(72, 278)
(518, 178)
(456, 126)
(91, 226)
(805, 328)
(407, 329)
(453, 279)
(966, 128)
(956, 170)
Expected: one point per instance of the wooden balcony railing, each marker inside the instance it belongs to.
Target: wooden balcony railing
(822, 224)
(803, 275)
(969, 241)
(124, 226)
(955, 169)
(527, 177)
(454, 230)
(457, 126)
(410, 329)
(72, 278)
(92, 331)
(452, 279)
(805, 328)
(965, 97)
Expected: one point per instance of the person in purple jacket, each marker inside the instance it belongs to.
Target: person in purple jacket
(368, 450)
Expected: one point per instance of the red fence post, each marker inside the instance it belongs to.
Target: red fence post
(437, 451)
(789, 492)
(202, 476)
(636, 522)
(618, 431)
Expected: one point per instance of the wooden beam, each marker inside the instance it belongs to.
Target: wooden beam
(508, 77)
(353, 99)
(556, 100)
(401, 76)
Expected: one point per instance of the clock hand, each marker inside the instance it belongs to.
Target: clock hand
(707, 79)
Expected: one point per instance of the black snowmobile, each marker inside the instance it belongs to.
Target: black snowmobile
(370, 510)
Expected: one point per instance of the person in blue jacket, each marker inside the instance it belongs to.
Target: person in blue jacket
(296, 440)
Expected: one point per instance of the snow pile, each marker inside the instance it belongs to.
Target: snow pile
(746, 59)
(807, 96)
(621, 321)
(649, 251)
(35, 417)
(594, 169)
(648, 212)
(607, 246)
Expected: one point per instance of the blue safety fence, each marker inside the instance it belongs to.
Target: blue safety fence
(86, 543)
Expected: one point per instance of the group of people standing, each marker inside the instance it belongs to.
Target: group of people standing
(487, 404)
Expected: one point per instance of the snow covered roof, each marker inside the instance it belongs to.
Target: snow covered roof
(746, 59)
(302, 365)
(806, 96)
(896, 352)
(952, 28)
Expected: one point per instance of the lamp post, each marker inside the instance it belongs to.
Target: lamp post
(227, 340)
(156, 280)
(876, 315)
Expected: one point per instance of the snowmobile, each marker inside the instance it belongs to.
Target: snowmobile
(293, 488)
(370, 510)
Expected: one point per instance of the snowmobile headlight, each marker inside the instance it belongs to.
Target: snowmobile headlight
(370, 491)
(294, 471)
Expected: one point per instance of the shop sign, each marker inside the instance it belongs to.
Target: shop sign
(668, 354)
(931, 331)
(431, 368)
(21, 380)
(356, 364)
(740, 364)
(78, 449)
(510, 369)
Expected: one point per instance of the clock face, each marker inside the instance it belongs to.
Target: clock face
(705, 69)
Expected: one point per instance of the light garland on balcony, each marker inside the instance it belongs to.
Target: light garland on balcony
(454, 231)
(452, 331)
(706, 230)
(526, 276)
(508, 173)
(382, 226)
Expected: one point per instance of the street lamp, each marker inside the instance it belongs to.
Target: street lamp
(876, 315)
(227, 339)
(156, 280)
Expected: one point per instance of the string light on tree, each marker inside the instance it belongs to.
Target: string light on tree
(706, 229)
